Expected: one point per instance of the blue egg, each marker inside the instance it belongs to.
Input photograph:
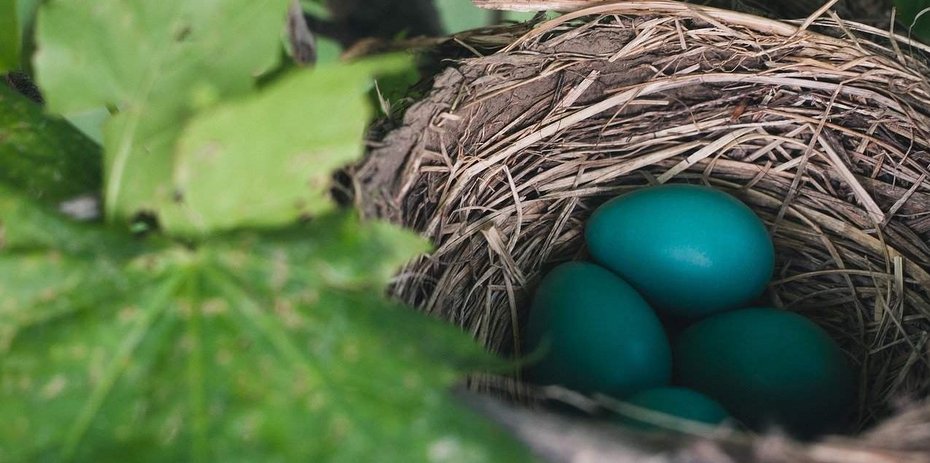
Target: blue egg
(768, 367)
(678, 402)
(689, 250)
(594, 333)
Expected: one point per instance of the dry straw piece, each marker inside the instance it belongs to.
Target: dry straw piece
(822, 126)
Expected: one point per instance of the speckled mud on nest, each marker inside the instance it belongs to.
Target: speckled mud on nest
(822, 126)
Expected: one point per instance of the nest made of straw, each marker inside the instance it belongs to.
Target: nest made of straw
(821, 126)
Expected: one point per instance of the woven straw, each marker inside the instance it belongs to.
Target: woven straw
(821, 126)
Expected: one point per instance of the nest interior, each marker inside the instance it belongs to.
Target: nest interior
(821, 126)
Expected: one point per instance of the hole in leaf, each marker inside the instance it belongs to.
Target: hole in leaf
(144, 223)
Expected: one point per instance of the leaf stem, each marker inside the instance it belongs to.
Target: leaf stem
(114, 176)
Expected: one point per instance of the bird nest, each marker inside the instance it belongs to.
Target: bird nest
(821, 126)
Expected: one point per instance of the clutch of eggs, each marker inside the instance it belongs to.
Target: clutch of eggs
(698, 255)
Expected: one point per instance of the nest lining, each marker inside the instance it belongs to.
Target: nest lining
(826, 135)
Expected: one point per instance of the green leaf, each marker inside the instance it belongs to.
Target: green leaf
(460, 15)
(42, 155)
(336, 250)
(908, 11)
(9, 36)
(26, 17)
(254, 347)
(90, 122)
(315, 8)
(26, 13)
(156, 63)
(51, 265)
(268, 159)
(328, 51)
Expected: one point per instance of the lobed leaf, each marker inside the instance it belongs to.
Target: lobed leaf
(267, 160)
(253, 347)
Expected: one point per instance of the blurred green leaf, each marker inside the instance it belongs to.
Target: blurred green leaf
(26, 224)
(26, 16)
(255, 347)
(9, 36)
(43, 155)
(460, 15)
(90, 122)
(315, 8)
(907, 12)
(26, 12)
(328, 51)
(521, 16)
(43, 258)
(156, 62)
(273, 345)
(267, 160)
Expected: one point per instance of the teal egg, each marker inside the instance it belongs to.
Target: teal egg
(689, 250)
(677, 401)
(768, 367)
(594, 333)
